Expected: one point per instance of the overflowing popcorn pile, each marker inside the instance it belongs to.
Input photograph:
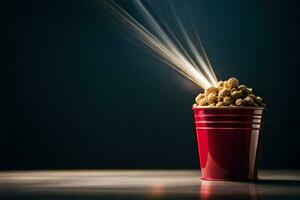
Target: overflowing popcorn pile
(229, 93)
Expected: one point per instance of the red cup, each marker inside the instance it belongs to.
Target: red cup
(229, 141)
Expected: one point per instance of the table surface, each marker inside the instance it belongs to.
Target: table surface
(143, 184)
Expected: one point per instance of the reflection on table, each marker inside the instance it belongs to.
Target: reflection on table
(144, 184)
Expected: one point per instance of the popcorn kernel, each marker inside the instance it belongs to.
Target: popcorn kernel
(258, 100)
(225, 85)
(199, 97)
(220, 104)
(233, 83)
(227, 101)
(211, 90)
(224, 93)
(243, 88)
(236, 94)
(220, 83)
(249, 100)
(233, 89)
(212, 98)
(240, 102)
(249, 90)
(203, 102)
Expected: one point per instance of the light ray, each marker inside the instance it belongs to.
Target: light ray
(163, 42)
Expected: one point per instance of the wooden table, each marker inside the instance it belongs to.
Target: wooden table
(143, 184)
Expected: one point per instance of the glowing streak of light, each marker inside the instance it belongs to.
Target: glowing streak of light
(170, 51)
(192, 47)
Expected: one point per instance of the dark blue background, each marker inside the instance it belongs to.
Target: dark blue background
(83, 97)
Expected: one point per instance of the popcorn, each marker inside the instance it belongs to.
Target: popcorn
(243, 88)
(211, 90)
(249, 90)
(220, 104)
(225, 85)
(233, 89)
(236, 94)
(249, 100)
(227, 101)
(258, 100)
(203, 102)
(220, 85)
(223, 93)
(233, 83)
(252, 95)
(229, 94)
(212, 98)
(199, 97)
(240, 102)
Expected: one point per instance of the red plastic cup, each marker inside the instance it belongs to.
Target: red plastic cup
(229, 141)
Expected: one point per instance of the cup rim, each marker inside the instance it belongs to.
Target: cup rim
(195, 107)
(227, 128)
(256, 116)
(226, 122)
